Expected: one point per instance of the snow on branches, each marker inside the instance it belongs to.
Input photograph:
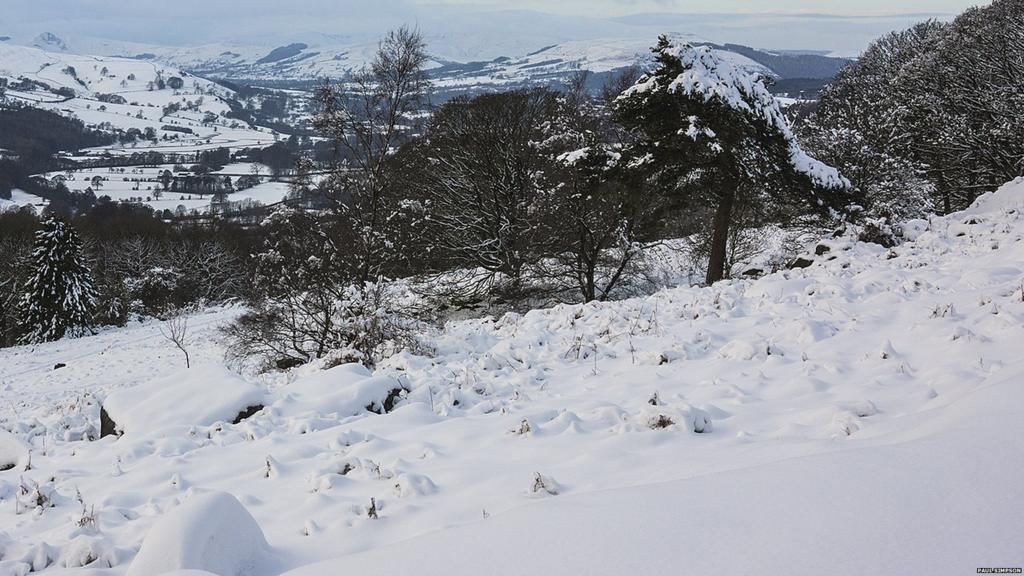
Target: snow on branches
(59, 295)
(708, 76)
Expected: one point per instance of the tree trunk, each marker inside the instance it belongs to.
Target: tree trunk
(947, 207)
(720, 236)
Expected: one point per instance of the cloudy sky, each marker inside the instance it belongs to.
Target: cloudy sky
(620, 7)
(839, 25)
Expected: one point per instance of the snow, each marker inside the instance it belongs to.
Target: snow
(191, 397)
(860, 414)
(144, 108)
(14, 452)
(19, 199)
(710, 76)
(860, 511)
(211, 532)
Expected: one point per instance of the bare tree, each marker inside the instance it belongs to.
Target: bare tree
(367, 118)
(175, 330)
(600, 208)
(476, 175)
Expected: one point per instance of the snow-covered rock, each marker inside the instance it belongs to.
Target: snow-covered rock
(14, 452)
(196, 397)
(211, 532)
(345, 390)
(1009, 196)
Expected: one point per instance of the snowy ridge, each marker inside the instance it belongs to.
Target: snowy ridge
(862, 413)
(457, 61)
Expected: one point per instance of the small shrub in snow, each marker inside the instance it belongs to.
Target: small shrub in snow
(544, 485)
(408, 485)
(33, 496)
(879, 231)
(660, 422)
(175, 331)
(310, 528)
(524, 428)
(270, 467)
(88, 551)
(388, 403)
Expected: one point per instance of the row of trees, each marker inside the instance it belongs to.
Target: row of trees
(111, 264)
(930, 117)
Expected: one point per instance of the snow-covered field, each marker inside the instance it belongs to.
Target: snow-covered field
(861, 416)
(21, 198)
(138, 184)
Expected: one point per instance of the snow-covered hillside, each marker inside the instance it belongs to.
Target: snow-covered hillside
(858, 416)
(125, 94)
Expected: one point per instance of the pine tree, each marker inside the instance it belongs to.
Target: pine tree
(59, 295)
(714, 138)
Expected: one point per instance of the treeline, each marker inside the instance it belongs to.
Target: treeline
(31, 137)
(526, 198)
(136, 264)
(930, 117)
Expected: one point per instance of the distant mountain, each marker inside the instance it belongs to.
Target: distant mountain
(303, 63)
(469, 52)
(130, 98)
(51, 42)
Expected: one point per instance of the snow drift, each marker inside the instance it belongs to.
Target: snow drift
(211, 532)
(195, 397)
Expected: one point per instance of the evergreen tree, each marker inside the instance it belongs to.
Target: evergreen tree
(59, 295)
(713, 137)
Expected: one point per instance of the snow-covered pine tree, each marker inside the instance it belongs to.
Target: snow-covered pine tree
(714, 138)
(59, 295)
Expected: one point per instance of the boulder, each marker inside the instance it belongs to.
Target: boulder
(196, 397)
(14, 452)
(801, 262)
